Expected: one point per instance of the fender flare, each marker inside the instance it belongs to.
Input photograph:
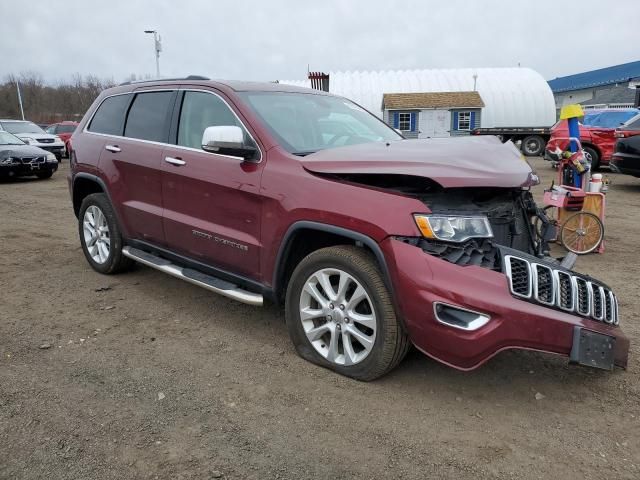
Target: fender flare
(99, 181)
(286, 243)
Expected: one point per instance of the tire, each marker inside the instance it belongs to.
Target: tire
(44, 175)
(533, 145)
(592, 156)
(387, 342)
(113, 261)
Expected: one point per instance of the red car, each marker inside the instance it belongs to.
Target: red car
(597, 134)
(64, 130)
(371, 242)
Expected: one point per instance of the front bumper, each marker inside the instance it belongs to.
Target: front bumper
(628, 164)
(24, 170)
(56, 149)
(420, 279)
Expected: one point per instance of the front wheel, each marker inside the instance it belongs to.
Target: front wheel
(340, 314)
(592, 157)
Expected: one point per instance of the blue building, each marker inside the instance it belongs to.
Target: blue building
(611, 87)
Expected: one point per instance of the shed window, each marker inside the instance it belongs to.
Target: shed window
(404, 122)
(464, 121)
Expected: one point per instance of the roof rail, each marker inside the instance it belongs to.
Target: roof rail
(190, 77)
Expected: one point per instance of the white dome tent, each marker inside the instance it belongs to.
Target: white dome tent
(513, 97)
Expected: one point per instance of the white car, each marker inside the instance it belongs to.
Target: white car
(32, 134)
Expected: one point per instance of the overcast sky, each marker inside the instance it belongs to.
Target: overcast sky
(277, 39)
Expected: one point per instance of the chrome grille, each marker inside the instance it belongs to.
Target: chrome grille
(519, 272)
(32, 160)
(583, 305)
(560, 289)
(565, 291)
(544, 285)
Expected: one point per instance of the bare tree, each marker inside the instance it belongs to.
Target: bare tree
(49, 103)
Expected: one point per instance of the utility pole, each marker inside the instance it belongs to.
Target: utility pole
(20, 99)
(157, 46)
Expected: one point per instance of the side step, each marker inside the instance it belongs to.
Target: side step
(213, 284)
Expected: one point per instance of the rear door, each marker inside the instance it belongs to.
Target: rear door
(132, 164)
(212, 202)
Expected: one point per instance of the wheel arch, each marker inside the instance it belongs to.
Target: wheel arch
(304, 237)
(85, 184)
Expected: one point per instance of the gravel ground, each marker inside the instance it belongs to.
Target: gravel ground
(143, 376)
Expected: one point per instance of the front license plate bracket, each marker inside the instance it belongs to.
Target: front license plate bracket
(592, 349)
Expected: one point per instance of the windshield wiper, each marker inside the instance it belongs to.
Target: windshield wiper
(304, 154)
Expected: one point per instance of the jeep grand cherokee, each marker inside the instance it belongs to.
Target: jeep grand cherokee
(372, 242)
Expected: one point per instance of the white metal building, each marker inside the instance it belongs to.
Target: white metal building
(512, 97)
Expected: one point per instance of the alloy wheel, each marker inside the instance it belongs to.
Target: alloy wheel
(338, 316)
(96, 234)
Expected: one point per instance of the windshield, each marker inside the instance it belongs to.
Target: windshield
(21, 127)
(7, 139)
(305, 123)
(66, 128)
(608, 119)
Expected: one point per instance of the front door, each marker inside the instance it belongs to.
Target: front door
(212, 202)
(434, 123)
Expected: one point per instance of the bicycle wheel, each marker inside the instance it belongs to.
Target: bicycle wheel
(582, 233)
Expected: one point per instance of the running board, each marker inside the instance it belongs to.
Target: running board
(190, 275)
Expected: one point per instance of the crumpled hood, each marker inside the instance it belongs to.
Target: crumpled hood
(452, 162)
(20, 151)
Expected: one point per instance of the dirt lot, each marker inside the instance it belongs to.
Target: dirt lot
(155, 378)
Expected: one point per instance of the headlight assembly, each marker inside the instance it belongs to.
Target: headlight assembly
(6, 161)
(51, 158)
(450, 228)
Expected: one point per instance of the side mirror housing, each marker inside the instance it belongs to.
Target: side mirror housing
(227, 140)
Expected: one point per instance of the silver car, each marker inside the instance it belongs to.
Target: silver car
(32, 134)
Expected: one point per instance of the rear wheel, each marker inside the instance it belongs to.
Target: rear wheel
(533, 145)
(100, 235)
(340, 314)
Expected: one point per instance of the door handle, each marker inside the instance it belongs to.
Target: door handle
(175, 161)
(112, 148)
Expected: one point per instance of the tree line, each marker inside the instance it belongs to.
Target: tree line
(49, 103)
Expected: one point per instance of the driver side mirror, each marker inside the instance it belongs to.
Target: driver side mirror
(227, 140)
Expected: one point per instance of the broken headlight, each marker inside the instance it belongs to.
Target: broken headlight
(451, 228)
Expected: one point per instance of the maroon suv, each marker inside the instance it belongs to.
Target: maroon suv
(372, 242)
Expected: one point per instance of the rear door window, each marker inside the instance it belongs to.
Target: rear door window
(109, 118)
(66, 129)
(148, 117)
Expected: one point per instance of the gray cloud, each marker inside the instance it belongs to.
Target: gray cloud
(259, 40)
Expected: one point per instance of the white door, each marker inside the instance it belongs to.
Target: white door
(434, 123)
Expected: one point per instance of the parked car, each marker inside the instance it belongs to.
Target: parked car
(372, 242)
(64, 130)
(17, 159)
(32, 134)
(597, 134)
(626, 158)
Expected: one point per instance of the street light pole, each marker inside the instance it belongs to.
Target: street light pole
(157, 46)
(20, 99)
